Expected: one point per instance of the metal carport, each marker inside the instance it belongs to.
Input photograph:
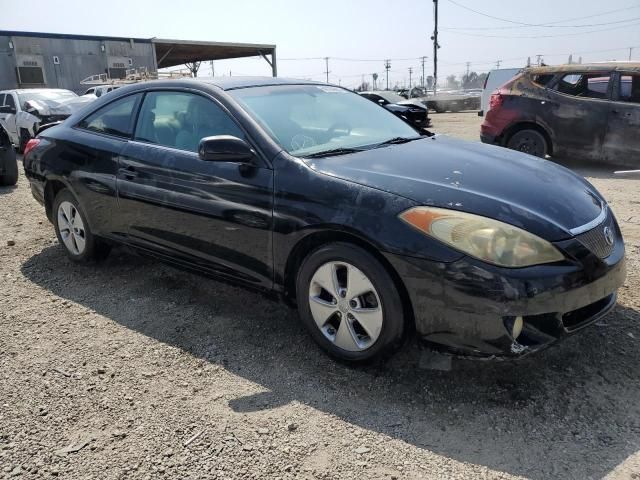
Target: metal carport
(170, 53)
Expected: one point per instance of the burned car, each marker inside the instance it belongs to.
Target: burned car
(590, 111)
(24, 111)
(8, 163)
(313, 193)
(414, 114)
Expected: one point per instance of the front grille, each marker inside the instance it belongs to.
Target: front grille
(582, 316)
(595, 239)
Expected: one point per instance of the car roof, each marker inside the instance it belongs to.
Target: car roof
(586, 67)
(230, 83)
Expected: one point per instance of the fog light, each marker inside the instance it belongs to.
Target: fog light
(516, 330)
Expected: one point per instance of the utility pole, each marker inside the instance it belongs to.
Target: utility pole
(410, 72)
(434, 37)
(422, 61)
(387, 66)
(467, 77)
(630, 52)
(326, 65)
(498, 64)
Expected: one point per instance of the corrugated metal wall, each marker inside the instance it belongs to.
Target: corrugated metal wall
(78, 58)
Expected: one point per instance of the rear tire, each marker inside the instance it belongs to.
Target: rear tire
(529, 141)
(359, 316)
(10, 176)
(73, 232)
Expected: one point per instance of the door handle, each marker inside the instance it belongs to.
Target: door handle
(128, 172)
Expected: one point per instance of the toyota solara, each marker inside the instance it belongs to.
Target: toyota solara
(377, 232)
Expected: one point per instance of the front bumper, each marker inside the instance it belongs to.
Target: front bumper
(468, 307)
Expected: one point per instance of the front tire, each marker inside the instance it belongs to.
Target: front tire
(72, 230)
(529, 141)
(10, 176)
(349, 303)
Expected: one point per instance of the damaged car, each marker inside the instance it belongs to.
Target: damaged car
(375, 232)
(415, 115)
(588, 111)
(8, 162)
(24, 111)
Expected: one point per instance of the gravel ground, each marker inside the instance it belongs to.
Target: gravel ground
(131, 369)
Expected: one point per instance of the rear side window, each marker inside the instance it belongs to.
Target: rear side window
(542, 80)
(629, 88)
(114, 118)
(593, 85)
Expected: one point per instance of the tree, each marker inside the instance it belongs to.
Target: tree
(473, 80)
(470, 80)
(452, 82)
(363, 87)
(429, 82)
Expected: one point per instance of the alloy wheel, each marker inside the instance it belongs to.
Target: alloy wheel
(71, 228)
(345, 306)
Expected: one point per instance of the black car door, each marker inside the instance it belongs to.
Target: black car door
(90, 150)
(622, 142)
(576, 112)
(206, 215)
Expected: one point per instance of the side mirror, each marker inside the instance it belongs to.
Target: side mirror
(225, 148)
(7, 109)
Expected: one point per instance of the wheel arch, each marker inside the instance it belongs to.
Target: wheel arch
(51, 189)
(528, 125)
(317, 239)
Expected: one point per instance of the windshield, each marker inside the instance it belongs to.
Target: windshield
(46, 96)
(310, 119)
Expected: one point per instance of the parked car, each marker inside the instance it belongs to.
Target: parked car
(8, 163)
(447, 101)
(494, 80)
(587, 111)
(409, 111)
(314, 193)
(23, 111)
(100, 90)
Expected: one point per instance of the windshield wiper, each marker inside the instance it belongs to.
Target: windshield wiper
(397, 140)
(332, 152)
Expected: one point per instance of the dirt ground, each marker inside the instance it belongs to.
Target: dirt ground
(130, 369)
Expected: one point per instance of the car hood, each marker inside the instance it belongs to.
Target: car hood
(58, 107)
(531, 193)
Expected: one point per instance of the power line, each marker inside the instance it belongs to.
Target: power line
(545, 26)
(538, 24)
(545, 36)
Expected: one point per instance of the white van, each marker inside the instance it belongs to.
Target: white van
(495, 80)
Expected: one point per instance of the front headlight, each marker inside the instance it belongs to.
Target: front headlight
(481, 237)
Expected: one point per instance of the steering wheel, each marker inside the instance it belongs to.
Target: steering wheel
(301, 141)
(331, 131)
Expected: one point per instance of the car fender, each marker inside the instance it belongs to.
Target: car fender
(27, 121)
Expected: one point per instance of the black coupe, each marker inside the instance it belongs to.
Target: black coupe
(376, 231)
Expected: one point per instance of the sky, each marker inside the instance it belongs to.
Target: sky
(357, 35)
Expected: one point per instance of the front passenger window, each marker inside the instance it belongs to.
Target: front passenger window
(180, 120)
(629, 89)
